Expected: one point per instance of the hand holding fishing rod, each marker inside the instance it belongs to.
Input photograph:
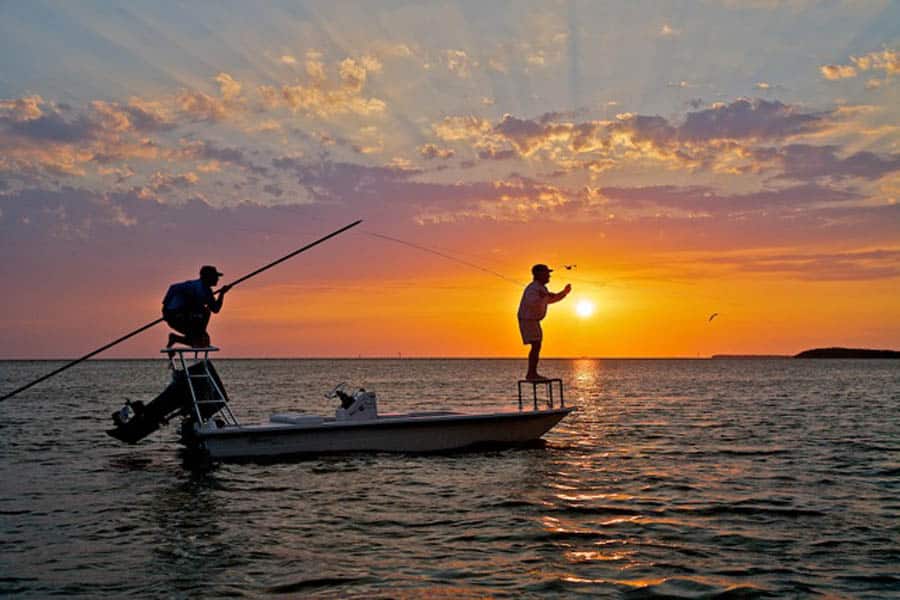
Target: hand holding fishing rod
(220, 292)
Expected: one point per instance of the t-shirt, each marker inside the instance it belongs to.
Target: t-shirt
(533, 306)
(187, 296)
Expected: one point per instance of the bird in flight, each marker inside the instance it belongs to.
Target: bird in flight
(570, 267)
(712, 316)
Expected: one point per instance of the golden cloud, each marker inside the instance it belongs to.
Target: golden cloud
(203, 107)
(459, 63)
(887, 60)
(835, 72)
(322, 98)
(430, 151)
(22, 109)
(37, 136)
(228, 87)
(461, 128)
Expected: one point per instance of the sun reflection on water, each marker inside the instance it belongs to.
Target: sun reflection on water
(586, 372)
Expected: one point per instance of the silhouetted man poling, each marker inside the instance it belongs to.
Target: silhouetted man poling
(187, 307)
(532, 309)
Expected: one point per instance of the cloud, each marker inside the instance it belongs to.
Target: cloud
(27, 108)
(459, 63)
(323, 98)
(668, 31)
(886, 60)
(37, 135)
(137, 115)
(165, 182)
(805, 162)
(314, 66)
(200, 106)
(228, 87)
(36, 217)
(354, 73)
(208, 151)
(879, 263)
(873, 84)
(527, 135)
(705, 201)
(835, 72)
(457, 128)
(273, 190)
(492, 153)
(720, 137)
(750, 119)
(430, 151)
(395, 191)
(203, 107)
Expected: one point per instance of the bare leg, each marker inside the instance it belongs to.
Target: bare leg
(533, 357)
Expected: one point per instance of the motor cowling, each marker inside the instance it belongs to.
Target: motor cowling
(358, 406)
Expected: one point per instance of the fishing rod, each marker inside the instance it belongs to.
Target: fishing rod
(157, 321)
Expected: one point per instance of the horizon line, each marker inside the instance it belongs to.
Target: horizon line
(417, 357)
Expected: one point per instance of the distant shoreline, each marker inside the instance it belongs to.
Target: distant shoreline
(847, 353)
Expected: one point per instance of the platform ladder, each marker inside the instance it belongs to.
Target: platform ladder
(201, 356)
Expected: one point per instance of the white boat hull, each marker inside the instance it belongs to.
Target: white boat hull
(389, 433)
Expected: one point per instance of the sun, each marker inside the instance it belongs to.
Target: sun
(584, 308)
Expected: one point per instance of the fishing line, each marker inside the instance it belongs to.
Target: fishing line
(442, 255)
(468, 263)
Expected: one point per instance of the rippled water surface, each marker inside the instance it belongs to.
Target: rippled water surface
(674, 479)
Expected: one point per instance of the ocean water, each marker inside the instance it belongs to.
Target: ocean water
(674, 479)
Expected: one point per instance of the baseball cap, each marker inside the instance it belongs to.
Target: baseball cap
(540, 268)
(208, 270)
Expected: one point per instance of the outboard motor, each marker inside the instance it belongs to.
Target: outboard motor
(136, 420)
(356, 406)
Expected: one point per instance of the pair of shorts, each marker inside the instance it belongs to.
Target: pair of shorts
(191, 324)
(531, 331)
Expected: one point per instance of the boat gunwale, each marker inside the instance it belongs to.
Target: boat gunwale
(380, 423)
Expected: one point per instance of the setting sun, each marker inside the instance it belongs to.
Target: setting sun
(584, 308)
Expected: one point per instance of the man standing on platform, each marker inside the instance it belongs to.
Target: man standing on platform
(532, 309)
(187, 307)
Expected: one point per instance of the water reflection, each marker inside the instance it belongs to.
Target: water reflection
(673, 479)
(585, 377)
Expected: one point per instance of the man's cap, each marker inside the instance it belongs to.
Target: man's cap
(209, 270)
(540, 268)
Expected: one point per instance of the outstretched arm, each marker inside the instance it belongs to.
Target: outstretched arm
(559, 295)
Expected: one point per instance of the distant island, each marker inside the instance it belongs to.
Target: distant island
(847, 353)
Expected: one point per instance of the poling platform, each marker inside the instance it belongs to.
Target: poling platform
(196, 391)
